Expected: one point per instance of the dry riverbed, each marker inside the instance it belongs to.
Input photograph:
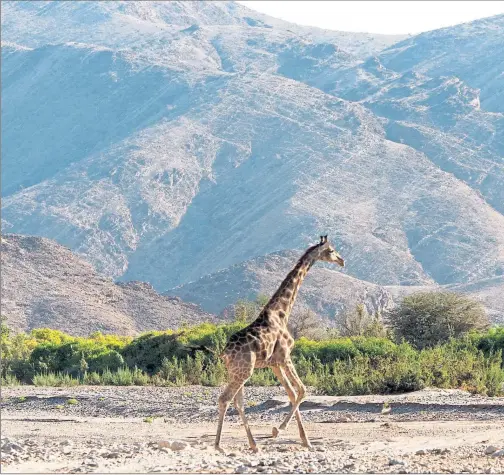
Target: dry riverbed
(150, 429)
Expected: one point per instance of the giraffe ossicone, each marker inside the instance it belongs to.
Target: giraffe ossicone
(267, 343)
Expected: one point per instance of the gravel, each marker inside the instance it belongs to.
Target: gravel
(429, 431)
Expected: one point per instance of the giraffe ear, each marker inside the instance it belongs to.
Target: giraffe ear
(321, 239)
(325, 238)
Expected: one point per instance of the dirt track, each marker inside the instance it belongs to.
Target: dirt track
(110, 430)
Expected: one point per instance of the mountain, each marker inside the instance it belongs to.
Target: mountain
(167, 141)
(325, 290)
(442, 93)
(45, 285)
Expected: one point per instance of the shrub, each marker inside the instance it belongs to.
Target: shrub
(490, 342)
(148, 350)
(9, 380)
(343, 366)
(427, 319)
(54, 379)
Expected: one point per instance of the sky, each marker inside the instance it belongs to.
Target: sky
(386, 17)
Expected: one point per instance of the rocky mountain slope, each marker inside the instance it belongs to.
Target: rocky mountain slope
(45, 284)
(166, 141)
(325, 290)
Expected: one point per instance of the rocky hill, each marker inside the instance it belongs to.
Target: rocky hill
(46, 285)
(167, 141)
(325, 290)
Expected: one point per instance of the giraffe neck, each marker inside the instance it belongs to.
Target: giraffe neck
(284, 298)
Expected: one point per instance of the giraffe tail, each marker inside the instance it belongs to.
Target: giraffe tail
(203, 348)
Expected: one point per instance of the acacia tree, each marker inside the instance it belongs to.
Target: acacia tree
(306, 323)
(360, 323)
(248, 310)
(426, 319)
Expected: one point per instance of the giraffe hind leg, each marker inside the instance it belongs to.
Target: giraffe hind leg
(238, 375)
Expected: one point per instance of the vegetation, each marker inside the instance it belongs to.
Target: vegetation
(427, 319)
(373, 361)
(360, 323)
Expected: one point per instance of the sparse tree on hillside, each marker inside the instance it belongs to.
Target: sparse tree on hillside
(306, 323)
(247, 310)
(359, 323)
(426, 319)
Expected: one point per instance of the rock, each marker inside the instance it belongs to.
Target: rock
(491, 449)
(112, 455)
(396, 462)
(241, 469)
(164, 444)
(67, 450)
(179, 445)
(499, 453)
(66, 443)
(11, 447)
(421, 452)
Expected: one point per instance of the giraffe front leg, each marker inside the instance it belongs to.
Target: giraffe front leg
(293, 378)
(279, 373)
(238, 401)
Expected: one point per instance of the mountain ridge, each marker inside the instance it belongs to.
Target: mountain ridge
(165, 142)
(45, 285)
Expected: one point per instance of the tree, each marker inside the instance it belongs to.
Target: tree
(426, 319)
(305, 323)
(247, 311)
(359, 323)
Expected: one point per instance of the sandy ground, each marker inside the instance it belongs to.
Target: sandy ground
(148, 429)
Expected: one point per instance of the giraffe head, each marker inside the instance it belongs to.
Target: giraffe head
(324, 251)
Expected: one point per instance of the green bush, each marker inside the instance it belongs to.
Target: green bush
(427, 319)
(341, 366)
(54, 379)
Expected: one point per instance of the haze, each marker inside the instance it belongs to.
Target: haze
(385, 17)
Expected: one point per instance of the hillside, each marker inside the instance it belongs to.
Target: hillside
(167, 141)
(45, 284)
(325, 290)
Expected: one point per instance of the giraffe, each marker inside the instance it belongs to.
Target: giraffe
(266, 342)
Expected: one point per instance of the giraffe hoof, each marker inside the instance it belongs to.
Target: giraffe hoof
(307, 444)
(276, 432)
(219, 449)
(254, 449)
